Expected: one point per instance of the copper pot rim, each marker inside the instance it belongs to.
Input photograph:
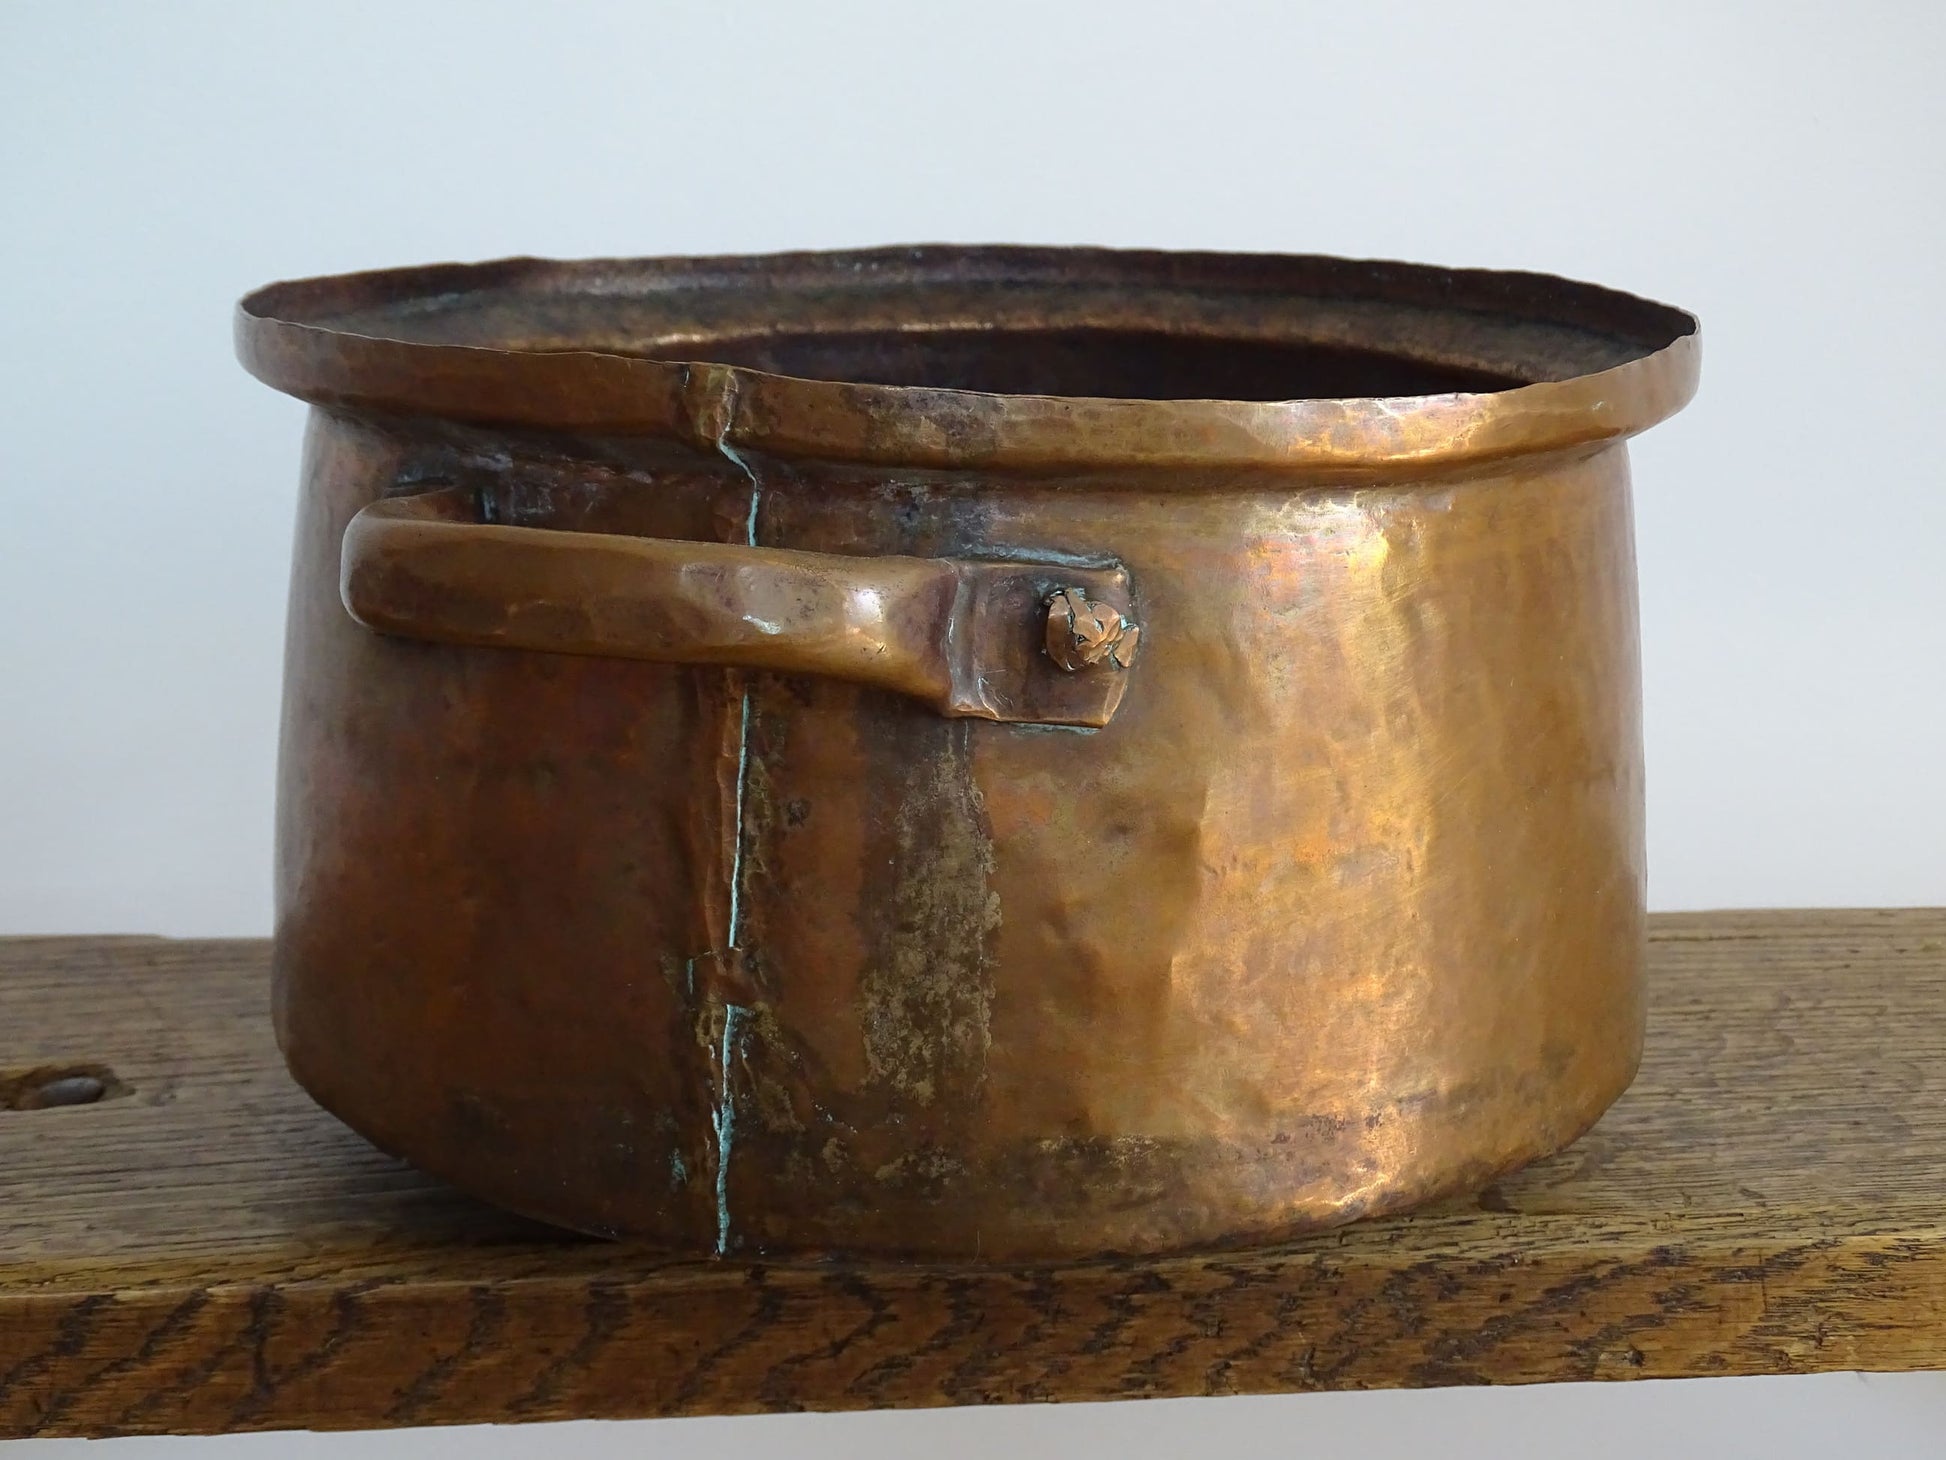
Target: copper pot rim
(344, 341)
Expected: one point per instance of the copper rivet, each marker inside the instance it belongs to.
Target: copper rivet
(1082, 633)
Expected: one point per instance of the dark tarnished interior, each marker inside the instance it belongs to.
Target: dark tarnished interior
(1124, 364)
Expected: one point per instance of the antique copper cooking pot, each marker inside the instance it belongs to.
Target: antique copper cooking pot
(1004, 754)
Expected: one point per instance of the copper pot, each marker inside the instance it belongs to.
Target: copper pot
(1024, 753)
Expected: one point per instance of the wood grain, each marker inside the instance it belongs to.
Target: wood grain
(204, 1250)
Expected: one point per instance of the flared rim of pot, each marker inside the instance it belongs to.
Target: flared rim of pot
(956, 357)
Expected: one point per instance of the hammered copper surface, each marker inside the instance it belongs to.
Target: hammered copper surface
(1336, 908)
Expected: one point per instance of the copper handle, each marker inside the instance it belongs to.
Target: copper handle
(1025, 641)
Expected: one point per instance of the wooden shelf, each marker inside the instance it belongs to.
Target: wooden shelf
(204, 1250)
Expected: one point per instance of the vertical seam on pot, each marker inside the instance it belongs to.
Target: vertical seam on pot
(736, 845)
(723, 407)
(724, 1122)
(725, 413)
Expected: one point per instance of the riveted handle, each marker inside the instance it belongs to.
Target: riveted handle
(1023, 641)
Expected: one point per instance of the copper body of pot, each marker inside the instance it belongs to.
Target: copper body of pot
(1007, 753)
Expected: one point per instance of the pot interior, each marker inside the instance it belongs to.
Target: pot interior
(1126, 364)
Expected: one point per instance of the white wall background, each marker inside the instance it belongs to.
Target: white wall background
(1778, 167)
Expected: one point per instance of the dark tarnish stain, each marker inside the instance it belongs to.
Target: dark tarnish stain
(771, 1098)
(929, 1175)
(928, 993)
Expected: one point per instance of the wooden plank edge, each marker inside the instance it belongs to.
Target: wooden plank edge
(378, 1353)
